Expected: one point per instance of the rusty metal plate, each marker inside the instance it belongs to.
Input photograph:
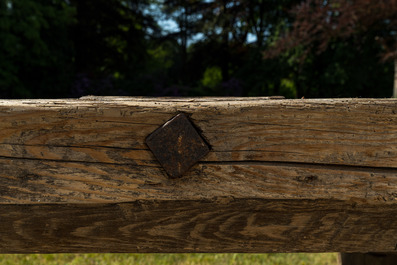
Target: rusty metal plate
(177, 145)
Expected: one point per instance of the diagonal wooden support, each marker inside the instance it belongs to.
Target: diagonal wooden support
(281, 176)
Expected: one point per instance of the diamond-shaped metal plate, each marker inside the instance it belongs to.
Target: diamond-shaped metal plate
(177, 145)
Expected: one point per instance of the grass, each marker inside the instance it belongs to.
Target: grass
(166, 259)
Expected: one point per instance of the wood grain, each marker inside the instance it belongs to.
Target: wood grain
(26, 181)
(112, 130)
(281, 176)
(92, 150)
(222, 225)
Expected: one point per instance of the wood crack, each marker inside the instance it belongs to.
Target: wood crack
(74, 161)
(76, 146)
(303, 165)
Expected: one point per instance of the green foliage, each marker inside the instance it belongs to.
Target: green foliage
(288, 88)
(34, 47)
(212, 77)
(342, 70)
(58, 48)
(161, 58)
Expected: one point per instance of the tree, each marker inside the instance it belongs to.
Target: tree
(319, 23)
(228, 27)
(110, 40)
(35, 48)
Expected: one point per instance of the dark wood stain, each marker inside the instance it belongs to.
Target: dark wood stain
(220, 225)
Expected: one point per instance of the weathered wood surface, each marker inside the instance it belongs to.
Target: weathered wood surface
(222, 225)
(344, 132)
(93, 150)
(34, 181)
(281, 176)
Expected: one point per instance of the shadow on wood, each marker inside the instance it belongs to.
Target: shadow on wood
(368, 259)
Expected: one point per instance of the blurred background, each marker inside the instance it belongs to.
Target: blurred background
(311, 48)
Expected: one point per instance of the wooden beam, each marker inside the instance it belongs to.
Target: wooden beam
(281, 176)
(27, 181)
(219, 225)
(358, 132)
